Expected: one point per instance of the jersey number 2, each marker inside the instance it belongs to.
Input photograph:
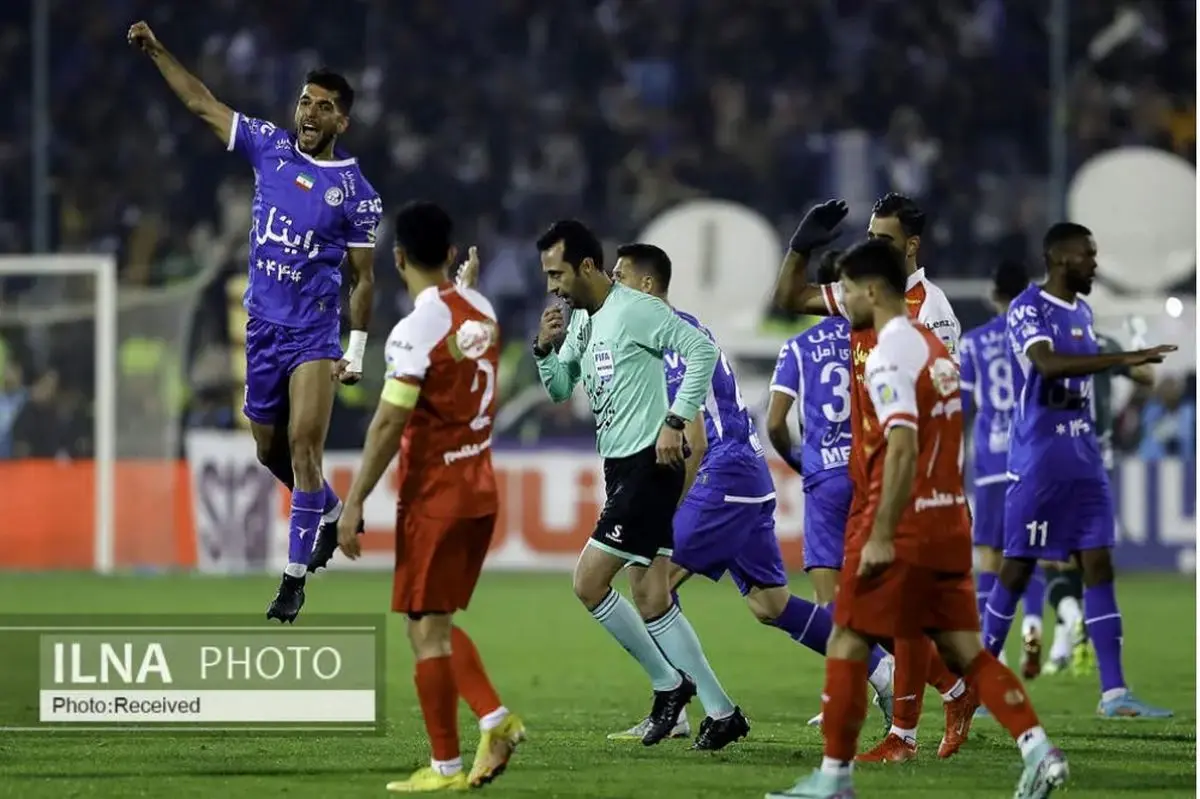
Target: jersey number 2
(485, 380)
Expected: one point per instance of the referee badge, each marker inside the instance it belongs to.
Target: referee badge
(604, 363)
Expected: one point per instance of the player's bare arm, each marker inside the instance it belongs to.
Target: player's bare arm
(899, 470)
(1142, 374)
(187, 87)
(361, 261)
(778, 432)
(381, 445)
(819, 227)
(696, 442)
(1053, 365)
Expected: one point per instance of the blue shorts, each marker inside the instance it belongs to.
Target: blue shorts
(987, 518)
(826, 509)
(713, 536)
(1050, 521)
(273, 352)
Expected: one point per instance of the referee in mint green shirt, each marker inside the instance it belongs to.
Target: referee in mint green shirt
(614, 343)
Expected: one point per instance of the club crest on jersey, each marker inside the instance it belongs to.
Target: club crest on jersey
(334, 197)
(944, 376)
(472, 339)
(604, 363)
(887, 394)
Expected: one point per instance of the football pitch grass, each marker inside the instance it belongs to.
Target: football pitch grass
(573, 685)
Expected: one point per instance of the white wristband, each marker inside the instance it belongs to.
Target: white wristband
(356, 350)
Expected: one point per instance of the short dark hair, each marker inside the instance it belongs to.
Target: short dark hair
(424, 231)
(904, 208)
(827, 267)
(335, 82)
(1010, 279)
(650, 259)
(875, 258)
(1061, 232)
(579, 242)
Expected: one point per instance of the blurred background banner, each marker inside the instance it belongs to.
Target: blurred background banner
(706, 126)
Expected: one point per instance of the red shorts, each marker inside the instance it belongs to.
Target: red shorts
(905, 601)
(438, 561)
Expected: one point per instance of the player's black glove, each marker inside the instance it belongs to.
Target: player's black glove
(819, 227)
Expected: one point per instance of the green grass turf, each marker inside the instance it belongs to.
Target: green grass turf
(573, 685)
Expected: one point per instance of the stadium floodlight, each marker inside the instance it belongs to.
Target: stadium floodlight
(102, 271)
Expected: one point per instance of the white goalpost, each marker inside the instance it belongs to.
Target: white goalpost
(102, 270)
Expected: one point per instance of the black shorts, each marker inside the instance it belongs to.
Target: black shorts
(640, 501)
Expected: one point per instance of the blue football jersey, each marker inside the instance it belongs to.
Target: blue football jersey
(814, 368)
(1053, 428)
(306, 214)
(735, 464)
(987, 380)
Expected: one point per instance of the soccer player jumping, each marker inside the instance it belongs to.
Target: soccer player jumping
(614, 342)
(439, 399)
(908, 557)
(312, 210)
(1059, 502)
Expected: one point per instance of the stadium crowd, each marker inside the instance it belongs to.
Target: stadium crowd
(514, 112)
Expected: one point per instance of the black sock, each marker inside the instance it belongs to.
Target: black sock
(1058, 587)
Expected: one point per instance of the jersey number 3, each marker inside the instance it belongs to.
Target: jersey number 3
(485, 381)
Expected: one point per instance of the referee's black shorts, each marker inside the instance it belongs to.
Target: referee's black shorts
(639, 508)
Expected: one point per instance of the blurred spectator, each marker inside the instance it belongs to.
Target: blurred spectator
(480, 106)
(1169, 422)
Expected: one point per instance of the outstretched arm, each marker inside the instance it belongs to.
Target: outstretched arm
(187, 87)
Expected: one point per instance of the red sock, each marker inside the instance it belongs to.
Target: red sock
(469, 675)
(1002, 694)
(845, 707)
(912, 665)
(439, 705)
(938, 674)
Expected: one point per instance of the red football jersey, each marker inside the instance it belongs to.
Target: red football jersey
(913, 382)
(927, 304)
(449, 346)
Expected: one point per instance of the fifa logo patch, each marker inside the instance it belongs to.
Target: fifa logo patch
(604, 364)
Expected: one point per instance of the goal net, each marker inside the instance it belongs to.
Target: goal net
(93, 395)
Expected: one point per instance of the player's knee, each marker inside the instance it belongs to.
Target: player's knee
(767, 604)
(1097, 567)
(590, 590)
(429, 635)
(650, 598)
(1014, 574)
(990, 559)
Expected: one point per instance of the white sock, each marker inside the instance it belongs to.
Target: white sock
(881, 678)
(1031, 739)
(494, 719)
(296, 569)
(1061, 648)
(958, 689)
(1113, 693)
(1031, 624)
(682, 716)
(908, 736)
(836, 767)
(1069, 612)
(447, 768)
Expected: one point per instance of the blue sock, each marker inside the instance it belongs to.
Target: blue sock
(302, 528)
(808, 624)
(674, 634)
(1103, 620)
(675, 598)
(877, 655)
(623, 623)
(984, 583)
(330, 501)
(1035, 595)
(998, 617)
